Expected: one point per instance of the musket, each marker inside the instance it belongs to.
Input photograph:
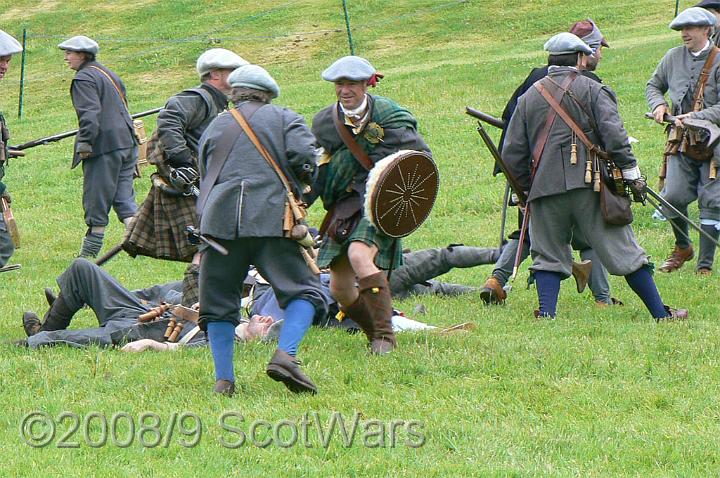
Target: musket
(67, 134)
(503, 217)
(514, 185)
(711, 129)
(489, 119)
(109, 254)
(511, 181)
(194, 234)
(664, 203)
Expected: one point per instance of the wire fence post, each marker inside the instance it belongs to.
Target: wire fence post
(22, 74)
(347, 25)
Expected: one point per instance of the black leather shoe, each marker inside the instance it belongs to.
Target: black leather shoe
(31, 323)
(674, 314)
(286, 369)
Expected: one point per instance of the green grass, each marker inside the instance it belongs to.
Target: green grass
(594, 393)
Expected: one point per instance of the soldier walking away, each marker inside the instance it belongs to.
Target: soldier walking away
(493, 291)
(243, 205)
(105, 143)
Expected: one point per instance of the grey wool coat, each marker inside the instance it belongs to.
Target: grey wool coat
(556, 175)
(104, 123)
(677, 75)
(183, 120)
(248, 199)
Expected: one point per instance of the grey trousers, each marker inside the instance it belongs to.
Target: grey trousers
(7, 248)
(116, 308)
(108, 183)
(415, 276)
(277, 259)
(598, 281)
(504, 265)
(553, 220)
(687, 180)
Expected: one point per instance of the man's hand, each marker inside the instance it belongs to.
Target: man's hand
(659, 113)
(148, 344)
(183, 178)
(6, 196)
(637, 190)
(679, 118)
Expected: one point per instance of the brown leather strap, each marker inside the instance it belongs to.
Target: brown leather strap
(117, 88)
(327, 219)
(543, 136)
(555, 105)
(263, 152)
(350, 142)
(704, 74)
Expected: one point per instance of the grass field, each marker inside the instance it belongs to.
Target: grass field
(597, 392)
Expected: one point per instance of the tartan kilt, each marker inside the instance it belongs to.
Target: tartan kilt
(364, 232)
(158, 229)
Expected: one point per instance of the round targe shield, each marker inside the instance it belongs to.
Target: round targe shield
(401, 191)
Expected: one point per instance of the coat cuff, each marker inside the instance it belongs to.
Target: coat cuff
(631, 174)
(83, 148)
(655, 104)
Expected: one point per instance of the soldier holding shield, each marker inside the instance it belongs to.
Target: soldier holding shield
(352, 247)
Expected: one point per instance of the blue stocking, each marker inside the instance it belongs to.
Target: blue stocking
(222, 340)
(548, 289)
(642, 283)
(298, 318)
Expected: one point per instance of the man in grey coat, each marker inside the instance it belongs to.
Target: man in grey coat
(105, 144)
(242, 205)
(159, 229)
(689, 179)
(559, 199)
(493, 291)
(9, 46)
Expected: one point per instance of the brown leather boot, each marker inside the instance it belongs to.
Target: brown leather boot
(492, 292)
(581, 274)
(359, 312)
(375, 292)
(676, 259)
